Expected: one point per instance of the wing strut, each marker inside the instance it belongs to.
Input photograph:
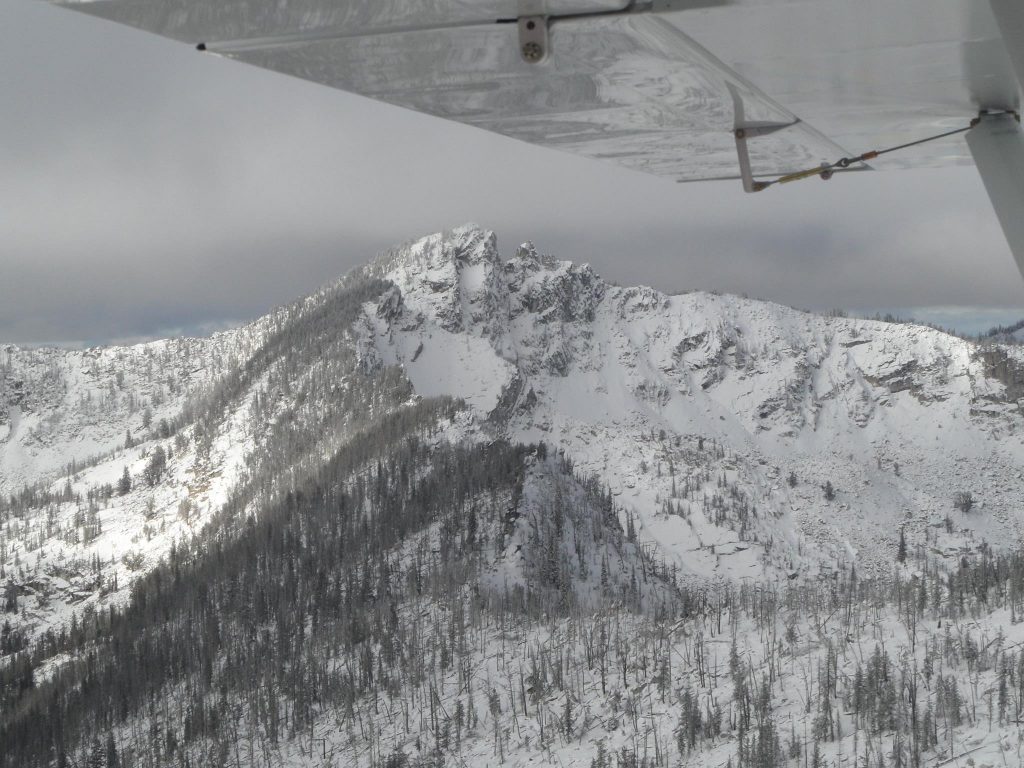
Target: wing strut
(997, 145)
(1009, 16)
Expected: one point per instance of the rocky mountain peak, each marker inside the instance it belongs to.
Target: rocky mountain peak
(546, 349)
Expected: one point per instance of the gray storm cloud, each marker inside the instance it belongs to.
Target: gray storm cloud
(146, 187)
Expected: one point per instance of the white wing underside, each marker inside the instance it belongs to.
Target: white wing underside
(649, 91)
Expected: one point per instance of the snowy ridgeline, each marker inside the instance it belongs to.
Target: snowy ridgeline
(318, 535)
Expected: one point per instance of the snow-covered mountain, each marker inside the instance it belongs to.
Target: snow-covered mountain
(683, 440)
(631, 382)
(714, 420)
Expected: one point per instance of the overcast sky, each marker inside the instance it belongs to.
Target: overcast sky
(147, 189)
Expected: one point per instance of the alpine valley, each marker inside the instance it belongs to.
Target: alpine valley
(457, 510)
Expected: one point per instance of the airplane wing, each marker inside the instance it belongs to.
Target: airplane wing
(654, 85)
(685, 89)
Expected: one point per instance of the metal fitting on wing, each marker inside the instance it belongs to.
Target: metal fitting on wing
(533, 38)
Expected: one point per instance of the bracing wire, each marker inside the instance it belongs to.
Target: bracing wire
(825, 170)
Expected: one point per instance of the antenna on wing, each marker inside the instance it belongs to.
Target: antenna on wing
(744, 130)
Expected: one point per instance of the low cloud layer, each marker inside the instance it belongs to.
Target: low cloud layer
(147, 188)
